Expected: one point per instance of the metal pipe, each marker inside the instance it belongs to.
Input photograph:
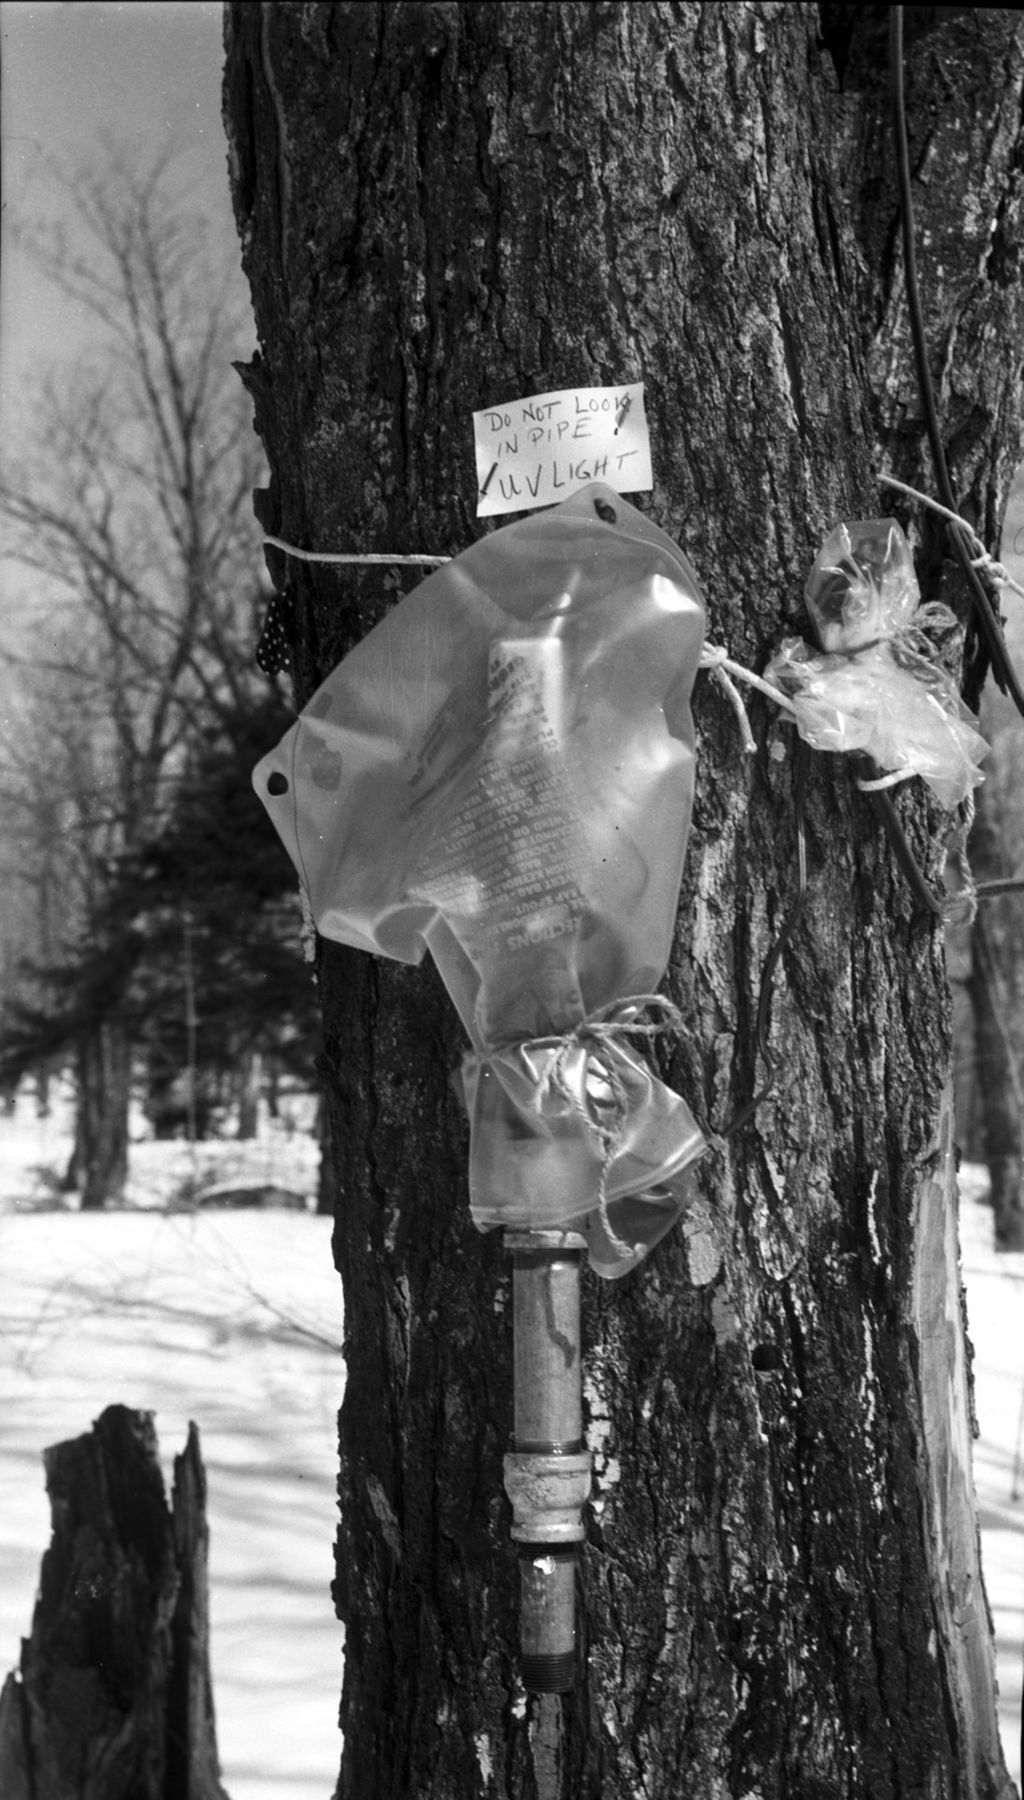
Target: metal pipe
(548, 1471)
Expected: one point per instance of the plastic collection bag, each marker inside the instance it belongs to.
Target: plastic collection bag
(875, 686)
(502, 772)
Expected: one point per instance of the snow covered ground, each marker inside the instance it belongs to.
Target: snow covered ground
(995, 1313)
(229, 1318)
(234, 1319)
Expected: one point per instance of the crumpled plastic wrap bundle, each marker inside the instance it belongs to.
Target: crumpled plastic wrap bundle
(876, 686)
(502, 773)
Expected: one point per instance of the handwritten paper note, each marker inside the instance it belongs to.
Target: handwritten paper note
(537, 451)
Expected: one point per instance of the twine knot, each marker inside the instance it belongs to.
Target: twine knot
(982, 559)
(715, 659)
(600, 1098)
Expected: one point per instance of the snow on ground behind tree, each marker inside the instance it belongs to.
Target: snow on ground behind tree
(234, 1319)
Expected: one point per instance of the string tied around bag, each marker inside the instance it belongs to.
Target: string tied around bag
(603, 1115)
(913, 638)
(716, 660)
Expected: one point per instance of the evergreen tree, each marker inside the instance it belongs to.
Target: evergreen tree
(202, 918)
(130, 505)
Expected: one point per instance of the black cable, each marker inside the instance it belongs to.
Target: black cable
(788, 927)
(881, 800)
(987, 620)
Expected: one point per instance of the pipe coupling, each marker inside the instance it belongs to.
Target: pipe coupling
(548, 1494)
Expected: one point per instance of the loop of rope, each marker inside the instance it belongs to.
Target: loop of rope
(1009, 884)
(884, 781)
(962, 908)
(329, 556)
(716, 660)
(981, 559)
(618, 1020)
(933, 615)
(713, 657)
(608, 1025)
(998, 571)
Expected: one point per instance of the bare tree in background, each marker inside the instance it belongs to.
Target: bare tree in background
(132, 507)
(986, 957)
(995, 987)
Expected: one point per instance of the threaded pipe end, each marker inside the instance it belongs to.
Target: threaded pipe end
(548, 1674)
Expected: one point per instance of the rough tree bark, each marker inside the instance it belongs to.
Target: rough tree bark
(113, 1698)
(443, 206)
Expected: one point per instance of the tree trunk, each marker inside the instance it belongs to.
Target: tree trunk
(43, 1078)
(250, 1087)
(444, 206)
(997, 1076)
(99, 1160)
(113, 1698)
(273, 1088)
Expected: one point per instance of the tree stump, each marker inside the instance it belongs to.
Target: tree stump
(113, 1700)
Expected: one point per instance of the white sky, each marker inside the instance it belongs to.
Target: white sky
(138, 72)
(76, 76)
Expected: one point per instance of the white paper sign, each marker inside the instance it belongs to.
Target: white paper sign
(538, 451)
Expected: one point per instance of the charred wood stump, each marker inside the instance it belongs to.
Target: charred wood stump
(113, 1700)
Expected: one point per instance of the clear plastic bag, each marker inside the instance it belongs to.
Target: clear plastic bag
(502, 773)
(876, 686)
